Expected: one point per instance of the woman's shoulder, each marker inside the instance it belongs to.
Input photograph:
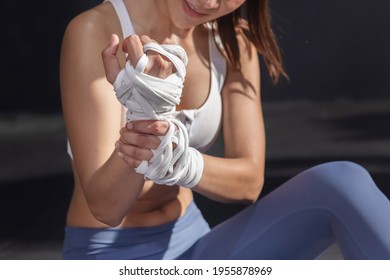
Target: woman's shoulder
(93, 24)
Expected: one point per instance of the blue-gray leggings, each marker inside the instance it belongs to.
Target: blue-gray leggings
(336, 201)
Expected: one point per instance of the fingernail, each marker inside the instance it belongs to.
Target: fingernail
(129, 125)
(117, 144)
(120, 155)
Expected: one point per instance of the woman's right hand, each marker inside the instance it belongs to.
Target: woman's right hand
(137, 138)
(158, 65)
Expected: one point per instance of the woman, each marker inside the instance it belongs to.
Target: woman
(116, 212)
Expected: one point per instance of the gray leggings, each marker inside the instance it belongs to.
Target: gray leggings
(336, 201)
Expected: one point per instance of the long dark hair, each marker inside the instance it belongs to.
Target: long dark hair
(258, 31)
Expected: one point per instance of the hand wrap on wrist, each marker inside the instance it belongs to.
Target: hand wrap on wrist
(148, 97)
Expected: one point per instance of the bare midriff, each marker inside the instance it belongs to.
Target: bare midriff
(156, 205)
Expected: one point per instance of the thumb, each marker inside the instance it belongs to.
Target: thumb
(110, 60)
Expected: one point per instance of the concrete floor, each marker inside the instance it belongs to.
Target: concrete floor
(35, 179)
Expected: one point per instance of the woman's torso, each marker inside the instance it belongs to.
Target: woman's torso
(201, 102)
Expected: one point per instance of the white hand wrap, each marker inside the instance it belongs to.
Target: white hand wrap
(148, 97)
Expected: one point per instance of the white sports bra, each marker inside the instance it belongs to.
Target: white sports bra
(203, 124)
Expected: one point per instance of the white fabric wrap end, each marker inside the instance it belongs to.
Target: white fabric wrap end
(148, 97)
(182, 165)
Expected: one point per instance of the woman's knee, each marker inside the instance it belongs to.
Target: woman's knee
(342, 175)
(341, 167)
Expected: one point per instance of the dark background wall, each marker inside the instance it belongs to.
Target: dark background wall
(32, 32)
(335, 49)
(332, 50)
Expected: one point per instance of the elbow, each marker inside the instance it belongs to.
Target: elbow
(106, 216)
(253, 180)
(110, 221)
(103, 208)
(254, 188)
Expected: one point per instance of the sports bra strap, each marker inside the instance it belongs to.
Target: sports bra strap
(124, 18)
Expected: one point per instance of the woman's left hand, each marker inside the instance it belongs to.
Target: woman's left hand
(138, 139)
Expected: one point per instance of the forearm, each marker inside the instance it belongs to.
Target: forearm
(239, 177)
(231, 179)
(112, 190)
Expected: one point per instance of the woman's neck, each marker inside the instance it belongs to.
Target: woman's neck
(152, 18)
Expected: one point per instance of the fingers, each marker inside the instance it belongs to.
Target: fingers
(134, 148)
(134, 48)
(146, 39)
(132, 45)
(110, 60)
(138, 139)
(158, 65)
(133, 152)
(145, 141)
(153, 127)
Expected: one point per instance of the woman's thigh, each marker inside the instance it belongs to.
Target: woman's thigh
(298, 220)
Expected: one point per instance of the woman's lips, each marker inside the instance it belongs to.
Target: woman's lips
(191, 10)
